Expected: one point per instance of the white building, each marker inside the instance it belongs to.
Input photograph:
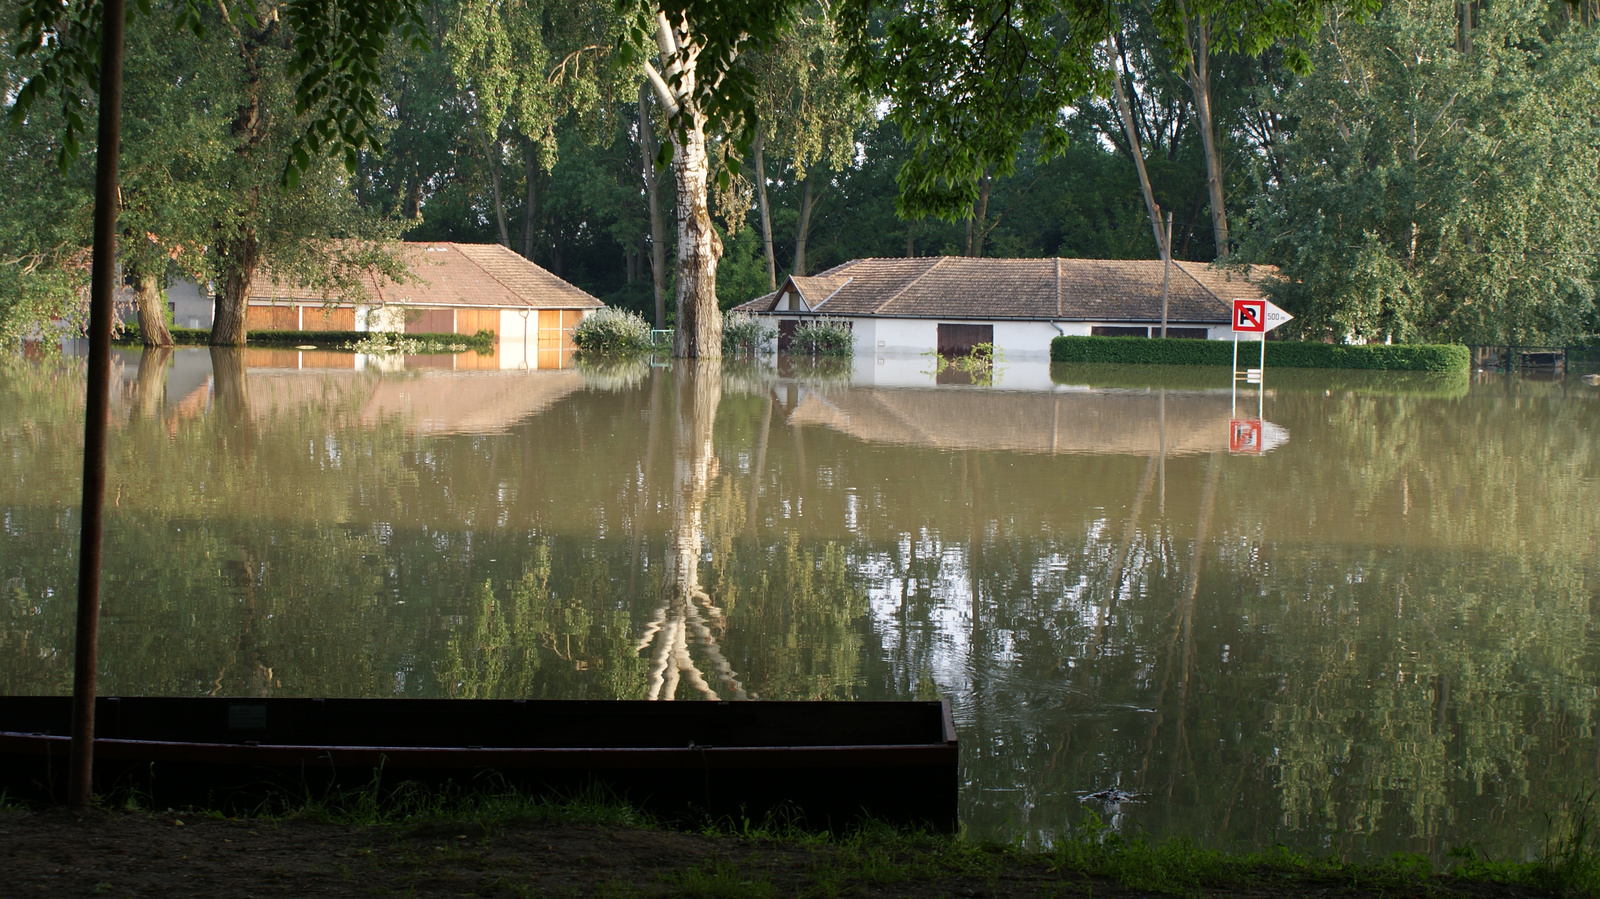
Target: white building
(950, 303)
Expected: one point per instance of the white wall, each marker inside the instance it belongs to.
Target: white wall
(380, 318)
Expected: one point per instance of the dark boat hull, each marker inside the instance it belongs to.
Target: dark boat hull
(826, 763)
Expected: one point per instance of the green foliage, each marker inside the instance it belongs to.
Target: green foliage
(1283, 354)
(610, 331)
(1440, 192)
(745, 335)
(822, 337)
(978, 363)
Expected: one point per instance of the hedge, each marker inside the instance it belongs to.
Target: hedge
(330, 340)
(1280, 354)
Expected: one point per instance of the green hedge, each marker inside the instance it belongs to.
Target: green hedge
(1280, 354)
(326, 340)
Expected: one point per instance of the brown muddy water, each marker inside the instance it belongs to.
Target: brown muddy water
(1366, 625)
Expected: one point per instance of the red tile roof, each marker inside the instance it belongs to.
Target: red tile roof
(452, 274)
(1026, 289)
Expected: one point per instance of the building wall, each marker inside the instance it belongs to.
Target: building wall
(1016, 339)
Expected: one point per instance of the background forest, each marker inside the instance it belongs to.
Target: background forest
(1435, 176)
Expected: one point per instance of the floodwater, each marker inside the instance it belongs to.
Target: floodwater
(1356, 613)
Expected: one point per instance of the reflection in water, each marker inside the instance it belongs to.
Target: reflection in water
(686, 610)
(1379, 636)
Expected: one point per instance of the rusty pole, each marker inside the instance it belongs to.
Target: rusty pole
(97, 405)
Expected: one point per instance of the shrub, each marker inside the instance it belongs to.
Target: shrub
(1280, 354)
(744, 334)
(822, 337)
(612, 332)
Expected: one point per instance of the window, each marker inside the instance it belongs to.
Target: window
(1121, 331)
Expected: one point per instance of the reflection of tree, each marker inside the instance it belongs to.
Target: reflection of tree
(686, 613)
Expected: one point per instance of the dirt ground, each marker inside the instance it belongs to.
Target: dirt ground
(58, 853)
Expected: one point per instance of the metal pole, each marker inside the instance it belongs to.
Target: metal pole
(97, 407)
(1233, 380)
(1166, 274)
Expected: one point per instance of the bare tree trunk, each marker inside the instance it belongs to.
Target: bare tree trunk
(698, 332)
(152, 312)
(766, 211)
(911, 239)
(491, 156)
(228, 318)
(658, 225)
(803, 229)
(1125, 112)
(699, 327)
(1197, 34)
(530, 206)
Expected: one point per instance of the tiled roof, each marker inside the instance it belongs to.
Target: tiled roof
(1027, 289)
(453, 274)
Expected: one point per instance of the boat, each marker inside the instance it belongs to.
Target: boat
(823, 764)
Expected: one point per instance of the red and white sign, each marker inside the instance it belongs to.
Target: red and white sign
(1257, 316)
(1254, 436)
(1244, 436)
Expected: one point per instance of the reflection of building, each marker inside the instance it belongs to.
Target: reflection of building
(432, 402)
(1096, 422)
(460, 289)
(948, 304)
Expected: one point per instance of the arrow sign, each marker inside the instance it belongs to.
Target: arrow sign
(1257, 316)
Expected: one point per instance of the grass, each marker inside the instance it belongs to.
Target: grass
(778, 856)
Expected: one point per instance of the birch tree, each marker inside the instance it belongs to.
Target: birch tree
(687, 51)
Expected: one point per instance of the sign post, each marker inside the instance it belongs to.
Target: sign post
(1251, 317)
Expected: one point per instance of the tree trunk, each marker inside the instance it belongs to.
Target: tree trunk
(1125, 112)
(1198, 73)
(766, 211)
(152, 312)
(658, 224)
(803, 229)
(411, 206)
(228, 319)
(911, 239)
(699, 327)
(530, 206)
(491, 155)
(980, 217)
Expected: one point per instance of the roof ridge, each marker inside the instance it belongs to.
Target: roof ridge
(492, 276)
(896, 295)
(1058, 285)
(1213, 294)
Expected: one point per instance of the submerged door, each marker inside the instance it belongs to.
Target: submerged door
(958, 340)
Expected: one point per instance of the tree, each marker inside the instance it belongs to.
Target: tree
(809, 110)
(696, 44)
(969, 80)
(1435, 194)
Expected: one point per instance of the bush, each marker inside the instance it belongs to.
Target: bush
(744, 334)
(1280, 354)
(612, 332)
(822, 337)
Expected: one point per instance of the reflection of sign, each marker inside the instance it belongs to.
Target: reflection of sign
(1244, 435)
(1253, 436)
(1257, 316)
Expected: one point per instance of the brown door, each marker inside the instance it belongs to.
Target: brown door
(958, 340)
(786, 329)
(430, 321)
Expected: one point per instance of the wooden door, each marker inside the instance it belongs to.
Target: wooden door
(958, 340)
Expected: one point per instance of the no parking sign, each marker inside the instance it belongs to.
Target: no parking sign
(1257, 316)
